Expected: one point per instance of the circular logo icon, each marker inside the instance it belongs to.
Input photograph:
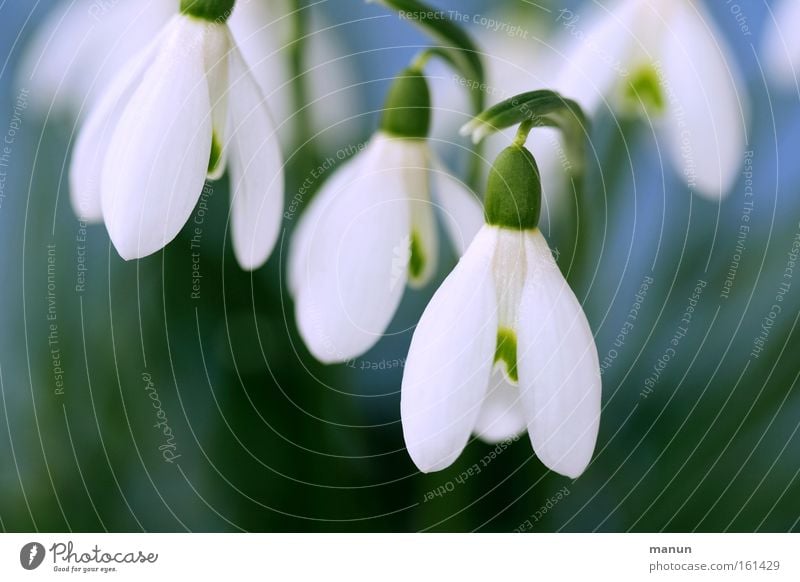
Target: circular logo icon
(31, 555)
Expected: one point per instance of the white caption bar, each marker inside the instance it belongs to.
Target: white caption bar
(355, 557)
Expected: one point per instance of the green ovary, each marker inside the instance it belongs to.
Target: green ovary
(506, 352)
(416, 264)
(644, 88)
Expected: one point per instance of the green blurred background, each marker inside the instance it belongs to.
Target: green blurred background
(267, 439)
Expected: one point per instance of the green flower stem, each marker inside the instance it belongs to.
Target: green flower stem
(299, 85)
(476, 96)
(423, 57)
(458, 49)
(593, 208)
(522, 133)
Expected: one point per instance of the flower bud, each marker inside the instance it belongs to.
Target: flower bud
(514, 190)
(407, 112)
(211, 10)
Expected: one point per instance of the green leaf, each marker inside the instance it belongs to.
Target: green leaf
(542, 108)
(455, 45)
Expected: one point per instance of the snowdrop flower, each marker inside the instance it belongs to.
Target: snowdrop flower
(504, 345)
(665, 59)
(177, 113)
(782, 44)
(372, 229)
(81, 44)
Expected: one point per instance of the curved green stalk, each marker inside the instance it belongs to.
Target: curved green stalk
(457, 49)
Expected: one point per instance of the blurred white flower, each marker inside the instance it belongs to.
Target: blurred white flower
(503, 346)
(175, 114)
(81, 44)
(265, 33)
(782, 44)
(368, 232)
(667, 60)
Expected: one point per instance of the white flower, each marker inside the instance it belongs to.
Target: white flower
(782, 44)
(666, 59)
(503, 346)
(176, 113)
(81, 44)
(370, 230)
(504, 343)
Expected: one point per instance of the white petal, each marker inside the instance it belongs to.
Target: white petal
(424, 236)
(460, 209)
(81, 45)
(510, 275)
(707, 113)
(502, 415)
(450, 360)
(358, 258)
(600, 47)
(559, 371)
(95, 135)
(303, 234)
(158, 156)
(262, 32)
(782, 44)
(256, 169)
(217, 52)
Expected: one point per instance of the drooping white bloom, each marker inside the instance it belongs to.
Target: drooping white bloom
(503, 346)
(177, 113)
(370, 231)
(665, 59)
(782, 44)
(81, 44)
